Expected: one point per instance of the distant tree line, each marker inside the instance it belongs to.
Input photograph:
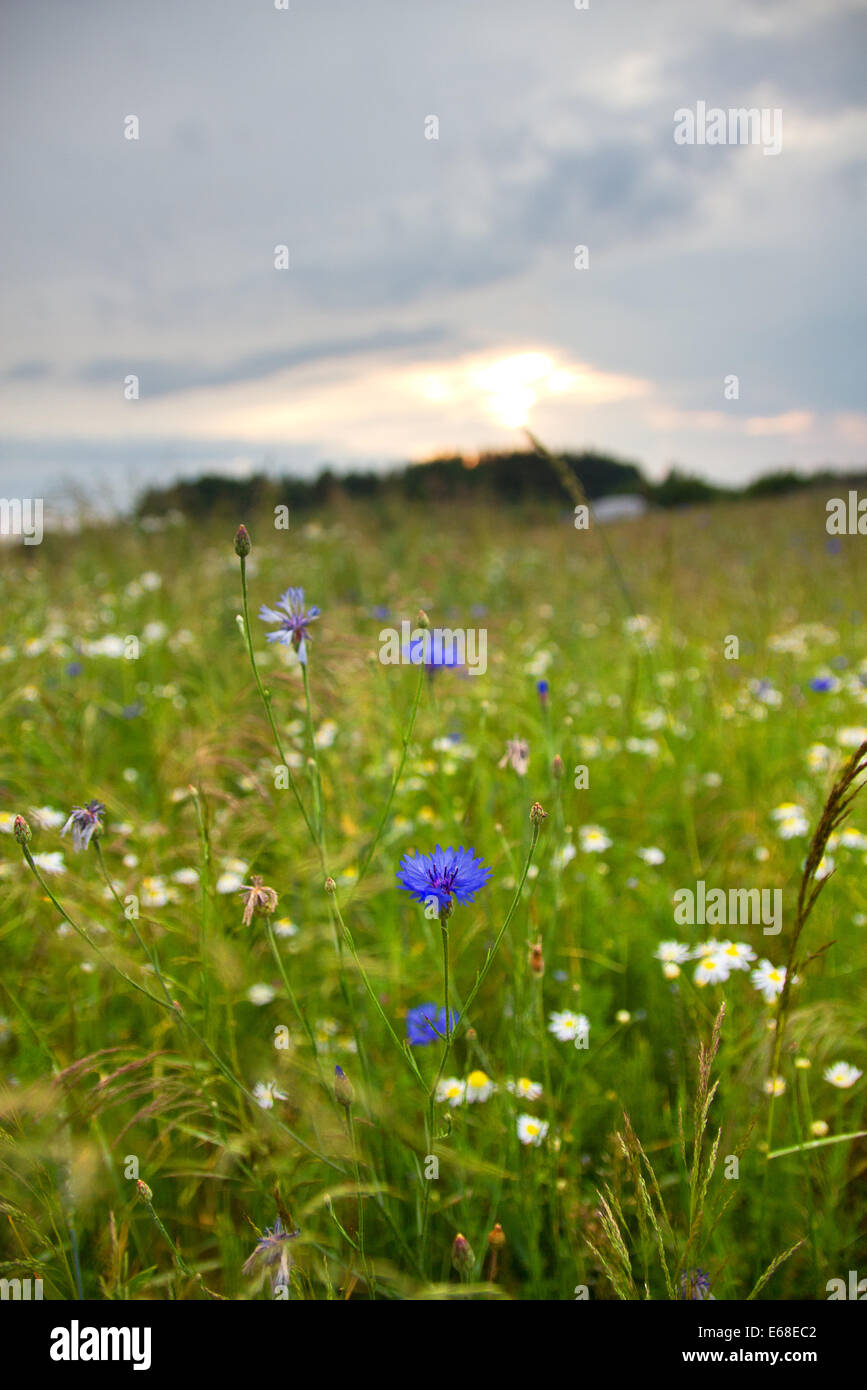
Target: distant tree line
(505, 478)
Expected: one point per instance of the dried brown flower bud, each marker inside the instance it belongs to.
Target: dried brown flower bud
(497, 1237)
(537, 960)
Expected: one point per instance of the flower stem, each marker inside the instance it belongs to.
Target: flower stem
(266, 701)
(407, 736)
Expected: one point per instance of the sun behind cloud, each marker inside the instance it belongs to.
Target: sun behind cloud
(505, 389)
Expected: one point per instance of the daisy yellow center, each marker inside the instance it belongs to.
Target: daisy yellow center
(532, 1129)
(477, 1079)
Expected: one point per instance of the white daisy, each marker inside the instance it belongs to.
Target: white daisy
(711, 970)
(568, 1027)
(479, 1086)
(792, 827)
(711, 947)
(850, 838)
(531, 1130)
(652, 855)
(51, 862)
(229, 882)
(774, 1086)
(188, 877)
(155, 892)
(851, 738)
(284, 927)
(819, 757)
(261, 994)
(452, 1090)
(843, 1075)
(672, 954)
(50, 819)
(769, 979)
(593, 839)
(524, 1088)
(738, 954)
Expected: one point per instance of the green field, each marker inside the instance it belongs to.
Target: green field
(141, 1042)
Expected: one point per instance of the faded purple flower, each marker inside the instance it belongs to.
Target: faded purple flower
(259, 900)
(272, 1254)
(517, 755)
(85, 821)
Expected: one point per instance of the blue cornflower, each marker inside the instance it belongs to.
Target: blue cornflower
(426, 1023)
(695, 1285)
(442, 875)
(85, 821)
(822, 684)
(293, 619)
(434, 651)
(542, 691)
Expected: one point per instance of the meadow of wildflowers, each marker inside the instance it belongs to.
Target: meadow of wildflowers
(326, 976)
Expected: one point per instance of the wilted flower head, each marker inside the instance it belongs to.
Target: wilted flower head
(695, 1284)
(442, 875)
(293, 621)
(266, 1092)
(259, 900)
(517, 755)
(85, 822)
(272, 1254)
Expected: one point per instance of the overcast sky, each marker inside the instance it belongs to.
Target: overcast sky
(431, 300)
